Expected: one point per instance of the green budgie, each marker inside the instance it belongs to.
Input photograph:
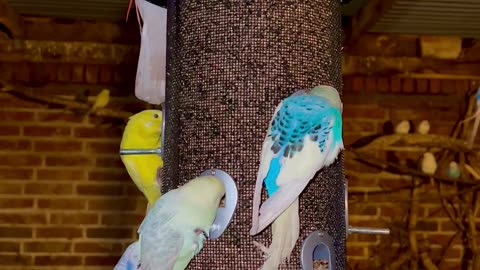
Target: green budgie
(175, 228)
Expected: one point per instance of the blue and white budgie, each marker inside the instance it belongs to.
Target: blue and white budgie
(476, 124)
(175, 227)
(304, 135)
(130, 259)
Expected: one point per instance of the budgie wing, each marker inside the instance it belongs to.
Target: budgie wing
(160, 240)
(262, 173)
(128, 258)
(299, 133)
(151, 71)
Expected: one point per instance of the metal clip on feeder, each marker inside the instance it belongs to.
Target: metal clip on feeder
(318, 246)
(224, 214)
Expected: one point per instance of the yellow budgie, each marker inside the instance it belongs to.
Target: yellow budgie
(144, 131)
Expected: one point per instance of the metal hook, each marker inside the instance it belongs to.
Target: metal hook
(224, 214)
(359, 230)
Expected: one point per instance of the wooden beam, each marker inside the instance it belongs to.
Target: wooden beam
(388, 66)
(67, 52)
(366, 18)
(41, 28)
(11, 20)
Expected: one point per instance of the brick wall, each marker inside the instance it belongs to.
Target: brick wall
(67, 203)
(369, 104)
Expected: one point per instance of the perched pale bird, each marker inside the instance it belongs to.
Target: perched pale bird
(476, 124)
(175, 228)
(424, 127)
(144, 131)
(403, 127)
(304, 136)
(151, 68)
(453, 170)
(429, 163)
(130, 259)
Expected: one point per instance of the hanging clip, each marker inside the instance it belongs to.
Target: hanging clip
(224, 214)
(359, 230)
(318, 247)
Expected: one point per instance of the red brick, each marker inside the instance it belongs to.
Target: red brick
(103, 147)
(422, 86)
(383, 85)
(122, 219)
(68, 161)
(63, 174)
(360, 209)
(427, 225)
(408, 85)
(50, 246)
(366, 112)
(9, 247)
(100, 190)
(101, 260)
(395, 85)
(59, 232)
(105, 74)
(448, 226)
(111, 232)
(64, 73)
(15, 260)
(109, 162)
(15, 145)
(21, 72)
(354, 126)
(78, 73)
(9, 131)
(15, 232)
(448, 87)
(358, 84)
(98, 247)
(355, 251)
(6, 116)
(434, 86)
(83, 132)
(11, 188)
(15, 174)
(43, 188)
(67, 204)
(73, 218)
(92, 74)
(110, 204)
(58, 260)
(58, 146)
(6, 203)
(18, 160)
(108, 175)
(370, 85)
(23, 218)
(59, 117)
(43, 131)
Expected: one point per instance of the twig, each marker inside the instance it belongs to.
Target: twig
(368, 159)
(412, 226)
(70, 104)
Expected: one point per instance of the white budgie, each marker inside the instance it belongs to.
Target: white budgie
(304, 136)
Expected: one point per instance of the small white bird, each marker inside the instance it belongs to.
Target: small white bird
(423, 127)
(453, 170)
(403, 127)
(429, 163)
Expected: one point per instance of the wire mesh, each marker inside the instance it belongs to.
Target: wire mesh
(229, 65)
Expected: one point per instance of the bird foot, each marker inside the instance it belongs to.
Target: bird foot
(263, 248)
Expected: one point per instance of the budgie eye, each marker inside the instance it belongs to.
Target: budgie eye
(155, 116)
